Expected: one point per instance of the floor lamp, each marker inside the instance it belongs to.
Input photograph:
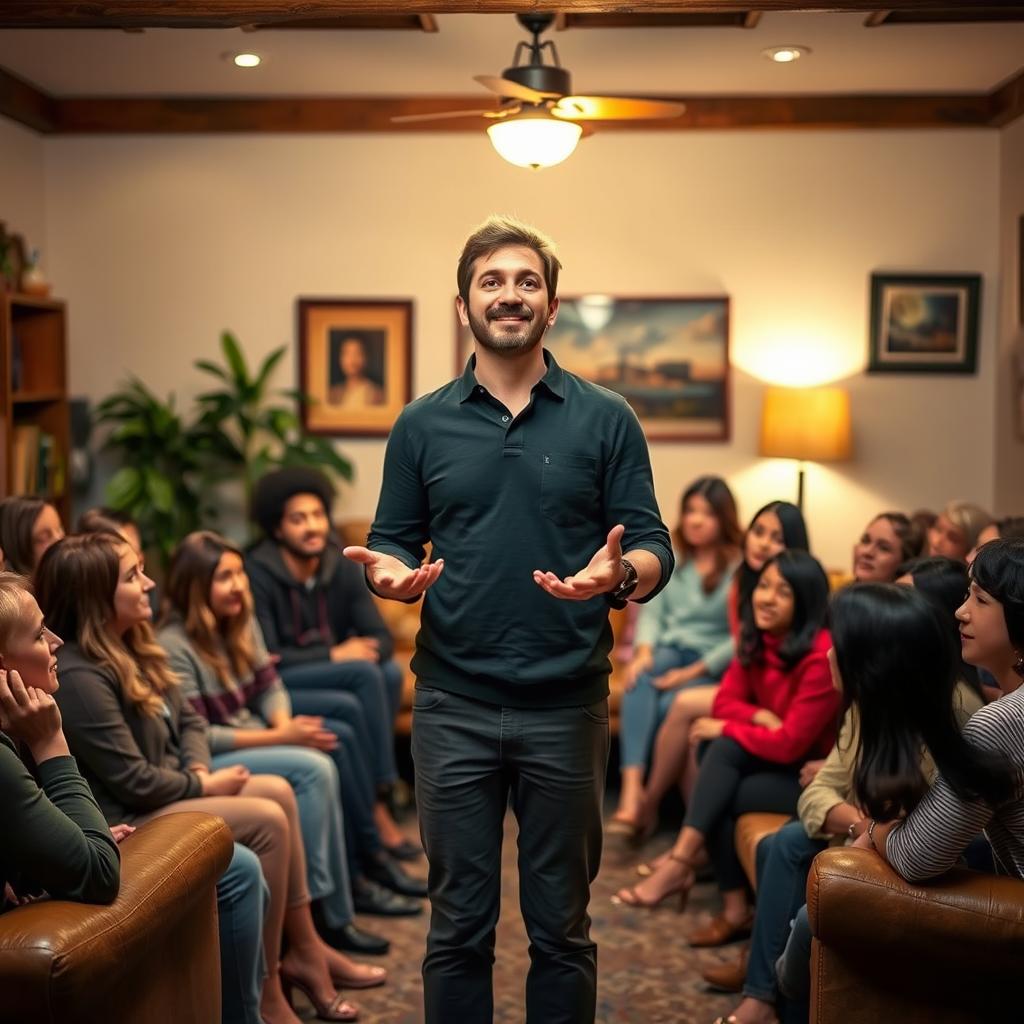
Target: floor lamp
(806, 424)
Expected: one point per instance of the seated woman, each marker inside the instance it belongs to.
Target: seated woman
(1007, 527)
(682, 636)
(776, 707)
(100, 518)
(215, 648)
(912, 678)
(28, 526)
(779, 526)
(982, 786)
(55, 838)
(887, 542)
(144, 752)
(955, 532)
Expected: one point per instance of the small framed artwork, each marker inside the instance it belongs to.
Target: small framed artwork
(668, 357)
(355, 364)
(924, 323)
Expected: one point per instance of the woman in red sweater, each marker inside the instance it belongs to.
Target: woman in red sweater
(775, 709)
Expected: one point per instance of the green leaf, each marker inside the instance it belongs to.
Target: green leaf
(159, 490)
(235, 359)
(268, 368)
(208, 366)
(124, 488)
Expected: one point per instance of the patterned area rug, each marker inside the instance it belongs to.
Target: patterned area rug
(647, 972)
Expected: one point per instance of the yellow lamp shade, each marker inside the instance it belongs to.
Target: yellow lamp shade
(810, 424)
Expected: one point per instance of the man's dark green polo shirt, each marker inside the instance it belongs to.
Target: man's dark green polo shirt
(499, 497)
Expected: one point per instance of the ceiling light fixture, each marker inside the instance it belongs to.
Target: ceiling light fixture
(785, 54)
(534, 138)
(247, 60)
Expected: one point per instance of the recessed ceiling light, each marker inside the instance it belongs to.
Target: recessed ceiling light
(247, 60)
(785, 54)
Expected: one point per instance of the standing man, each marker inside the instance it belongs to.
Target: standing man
(529, 482)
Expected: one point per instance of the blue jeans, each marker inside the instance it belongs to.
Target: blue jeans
(644, 707)
(368, 684)
(783, 863)
(472, 761)
(314, 778)
(242, 900)
(794, 970)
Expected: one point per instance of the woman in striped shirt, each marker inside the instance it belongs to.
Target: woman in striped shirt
(989, 795)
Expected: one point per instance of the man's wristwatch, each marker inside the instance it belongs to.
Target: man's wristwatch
(619, 597)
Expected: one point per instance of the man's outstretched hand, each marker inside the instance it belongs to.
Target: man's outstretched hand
(392, 578)
(602, 574)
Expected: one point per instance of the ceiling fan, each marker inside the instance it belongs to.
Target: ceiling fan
(536, 122)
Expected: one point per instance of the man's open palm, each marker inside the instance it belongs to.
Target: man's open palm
(602, 574)
(392, 578)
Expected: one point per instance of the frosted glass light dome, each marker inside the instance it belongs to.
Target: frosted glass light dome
(534, 139)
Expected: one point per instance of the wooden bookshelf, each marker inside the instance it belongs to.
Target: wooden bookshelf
(34, 399)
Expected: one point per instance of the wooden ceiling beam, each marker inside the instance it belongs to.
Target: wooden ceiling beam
(235, 13)
(373, 115)
(23, 102)
(1007, 101)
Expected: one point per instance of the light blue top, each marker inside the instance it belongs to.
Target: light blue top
(682, 615)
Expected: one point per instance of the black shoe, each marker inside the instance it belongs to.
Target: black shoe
(382, 869)
(352, 939)
(349, 938)
(371, 898)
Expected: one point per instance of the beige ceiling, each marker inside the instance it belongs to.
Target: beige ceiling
(846, 58)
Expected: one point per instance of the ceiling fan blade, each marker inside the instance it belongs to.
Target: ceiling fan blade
(614, 108)
(411, 118)
(506, 87)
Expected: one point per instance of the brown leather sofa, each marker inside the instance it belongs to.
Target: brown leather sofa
(404, 622)
(150, 957)
(949, 952)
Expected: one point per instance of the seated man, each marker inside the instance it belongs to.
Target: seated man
(319, 618)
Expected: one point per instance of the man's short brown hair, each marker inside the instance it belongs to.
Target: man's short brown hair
(499, 232)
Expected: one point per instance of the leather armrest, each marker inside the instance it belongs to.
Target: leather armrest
(166, 866)
(858, 905)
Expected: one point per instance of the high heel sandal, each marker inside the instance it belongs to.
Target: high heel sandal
(337, 1009)
(631, 898)
(376, 976)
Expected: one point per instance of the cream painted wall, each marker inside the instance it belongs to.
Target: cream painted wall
(22, 190)
(1009, 470)
(159, 243)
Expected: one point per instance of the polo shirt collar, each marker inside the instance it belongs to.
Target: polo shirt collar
(553, 380)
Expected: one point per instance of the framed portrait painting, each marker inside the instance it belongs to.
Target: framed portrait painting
(668, 357)
(924, 323)
(355, 364)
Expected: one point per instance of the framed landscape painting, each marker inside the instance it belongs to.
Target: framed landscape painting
(668, 357)
(924, 323)
(355, 364)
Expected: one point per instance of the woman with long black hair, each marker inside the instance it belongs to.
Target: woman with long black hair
(775, 708)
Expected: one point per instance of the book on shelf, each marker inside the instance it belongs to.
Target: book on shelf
(36, 465)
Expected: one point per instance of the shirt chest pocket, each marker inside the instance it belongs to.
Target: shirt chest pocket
(569, 494)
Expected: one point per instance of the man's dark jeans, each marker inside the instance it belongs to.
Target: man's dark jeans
(473, 760)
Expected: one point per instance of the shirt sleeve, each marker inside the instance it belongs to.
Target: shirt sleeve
(733, 700)
(195, 747)
(812, 707)
(98, 733)
(650, 622)
(720, 655)
(931, 840)
(56, 834)
(629, 497)
(273, 700)
(833, 784)
(401, 526)
(932, 837)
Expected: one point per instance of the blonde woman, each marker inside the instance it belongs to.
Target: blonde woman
(955, 532)
(144, 752)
